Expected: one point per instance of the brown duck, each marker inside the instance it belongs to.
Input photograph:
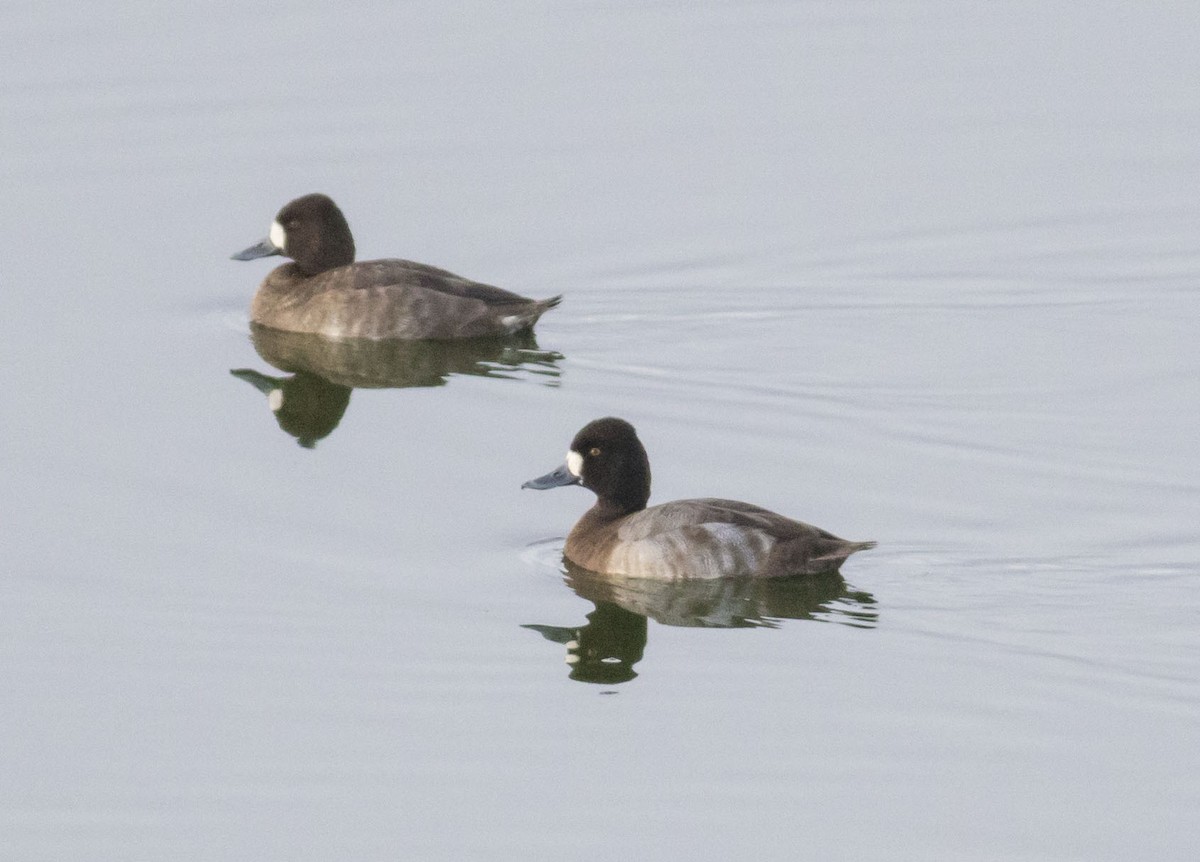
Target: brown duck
(325, 292)
(703, 538)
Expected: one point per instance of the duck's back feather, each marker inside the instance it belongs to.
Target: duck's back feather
(710, 510)
(393, 272)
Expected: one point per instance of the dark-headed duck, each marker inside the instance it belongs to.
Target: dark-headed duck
(323, 291)
(703, 538)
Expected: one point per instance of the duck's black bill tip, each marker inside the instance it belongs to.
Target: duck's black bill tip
(266, 248)
(554, 479)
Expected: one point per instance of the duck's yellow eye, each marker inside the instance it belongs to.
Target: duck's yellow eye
(594, 451)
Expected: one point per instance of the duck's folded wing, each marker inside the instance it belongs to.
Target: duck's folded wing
(408, 273)
(710, 511)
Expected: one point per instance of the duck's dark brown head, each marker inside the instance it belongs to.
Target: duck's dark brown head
(312, 231)
(606, 457)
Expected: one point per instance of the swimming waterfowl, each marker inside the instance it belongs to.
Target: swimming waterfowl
(325, 292)
(702, 538)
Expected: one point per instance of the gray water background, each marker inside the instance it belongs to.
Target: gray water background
(918, 272)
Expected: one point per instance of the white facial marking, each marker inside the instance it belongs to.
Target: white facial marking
(575, 463)
(275, 400)
(278, 235)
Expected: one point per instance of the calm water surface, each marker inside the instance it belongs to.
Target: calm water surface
(918, 272)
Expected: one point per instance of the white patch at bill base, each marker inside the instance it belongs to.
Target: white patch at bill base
(275, 400)
(278, 235)
(574, 463)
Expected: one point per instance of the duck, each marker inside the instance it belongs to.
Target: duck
(324, 291)
(684, 539)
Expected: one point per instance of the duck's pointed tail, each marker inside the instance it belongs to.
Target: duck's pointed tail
(535, 311)
(859, 546)
(838, 553)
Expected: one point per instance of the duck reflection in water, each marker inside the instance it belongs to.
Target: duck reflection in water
(605, 649)
(310, 402)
